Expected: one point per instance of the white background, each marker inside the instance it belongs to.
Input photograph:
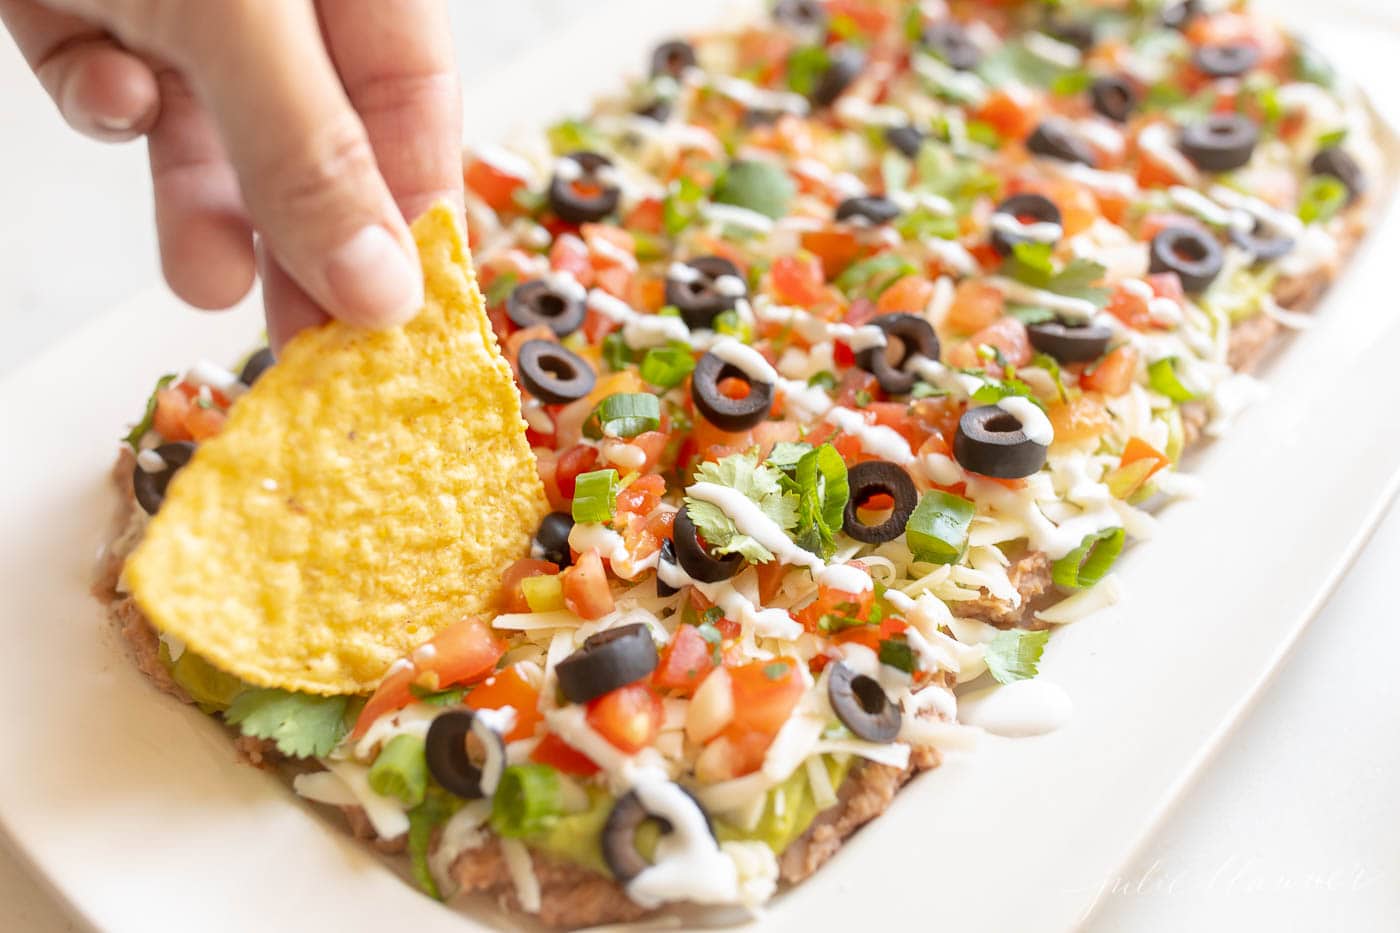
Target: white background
(1294, 826)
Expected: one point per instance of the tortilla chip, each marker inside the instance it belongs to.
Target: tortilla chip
(367, 492)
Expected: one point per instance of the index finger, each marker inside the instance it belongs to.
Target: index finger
(397, 64)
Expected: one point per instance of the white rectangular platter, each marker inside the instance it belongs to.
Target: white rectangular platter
(135, 811)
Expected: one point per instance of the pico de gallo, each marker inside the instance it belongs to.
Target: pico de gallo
(854, 345)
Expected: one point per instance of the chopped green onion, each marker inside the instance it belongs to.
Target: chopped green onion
(149, 418)
(825, 379)
(572, 136)
(1162, 377)
(1086, 565)
(449, 697)
(667, 367)
(926, 390)
(528, 801)
(401, 770)
(727, 324)
(543, 592)
(595, 494)
(937, 531)
(805, 67)
(870, 277)
(682, 205)
(437, 808)
(624, 414)
(897, 654)
(1322, 197)
(616, 353)
(1128, 479)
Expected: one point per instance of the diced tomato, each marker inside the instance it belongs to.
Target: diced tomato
(1167, 285)
(204, 423)
(557, 753)
(684, 661)
(493, 184)
(647, 216)
(509, 688)
(628, 717)
(856, 386)
(768, 434)
(765, 693)
(586, 590)
(1130, 308)
(172, 407)
(1157, 221)
(1114, 373)
(939, 415)
(869, 18)
(899, 417)
(463, 652)
(581, 458)
(570, 254)
(642, 494)
(975, 305)
(512, 597)
(836, 249)
(1138, 449)
(911, 293)
(1079, 418)
(861, 311)
(1011, 111)
(1007, 334)
(871, 635)
(797, 280)
(770, 580)
(616, 281)
(836, 603)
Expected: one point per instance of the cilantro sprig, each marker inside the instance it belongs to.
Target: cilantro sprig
(302, 725)
(762, 484)
(1015, 654)
(1032, 264)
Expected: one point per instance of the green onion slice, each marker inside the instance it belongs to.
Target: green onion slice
(595, 494)
(528, 800)
(1322, 197)
(937, 531)
(667, 367)
(897, 654)
(1087, 564)
(401, 770)
(624, 414)
(1162, 377)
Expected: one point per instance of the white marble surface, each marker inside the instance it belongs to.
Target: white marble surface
(1294, 826)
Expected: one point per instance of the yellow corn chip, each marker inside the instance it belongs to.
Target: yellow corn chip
(368, 491)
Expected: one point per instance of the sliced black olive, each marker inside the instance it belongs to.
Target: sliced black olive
(861, 705)
(1056, 139)
(879, 478)
(876, 209)
(907, 139)
(658, 110)
(695, 559)
(554, 374)
(1192, 254)
(150, 487)
(1338, 163)
(703, 288)
(612, 658)
(257, 364)
(1220, 142)
(539, 301)
(1261, 241)
(1027, 208)
(552, 539)
(1079, 33)
(451, 764)
(1226, 59)
(905, 335)
(844, 65)
(725, 413)
(758, 116)
(672, 58)
(1070, 343)
(806, 16)
(620, 834)
(949, 41)
(668, 556)
(588, 195)
(993, 442)
(1177, 14)
(1113, 97)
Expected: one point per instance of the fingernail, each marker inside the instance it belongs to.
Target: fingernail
(114, 124)
(373, 282)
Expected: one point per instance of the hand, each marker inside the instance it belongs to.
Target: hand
(286, 137)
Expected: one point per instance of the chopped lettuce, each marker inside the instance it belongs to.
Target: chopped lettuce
(760, 483)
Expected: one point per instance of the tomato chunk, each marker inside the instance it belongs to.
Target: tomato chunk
(684, 662)
(1114, 373)
(512, 595)
(509, 688)
(586, 590)
(557, 753)
(628, 717)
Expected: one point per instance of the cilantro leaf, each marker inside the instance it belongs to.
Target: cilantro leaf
(1052, 366)
(681, 206)
(760, 483)
(1032, 264)
(302, 725)
(139, 429)
(994, 390)
(786, 454)
(1015, 654)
